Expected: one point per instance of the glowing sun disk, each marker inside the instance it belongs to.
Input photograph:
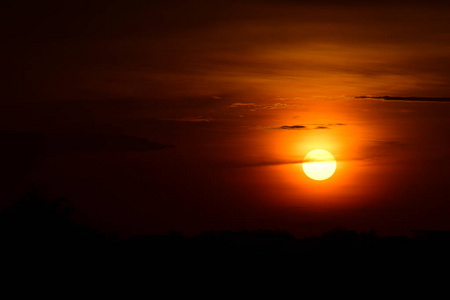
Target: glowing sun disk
(319, 164)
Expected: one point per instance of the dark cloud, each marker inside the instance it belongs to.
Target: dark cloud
(263, 162)
(408, 99)
(54, 144)
(20, 151)
(293, 127)
(303, 127)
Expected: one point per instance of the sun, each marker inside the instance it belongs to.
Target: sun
(319, 164)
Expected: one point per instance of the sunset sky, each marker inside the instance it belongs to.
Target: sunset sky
(151, 116)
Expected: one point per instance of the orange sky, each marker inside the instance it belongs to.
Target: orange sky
(195, 115)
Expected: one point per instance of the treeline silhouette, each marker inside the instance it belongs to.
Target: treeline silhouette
(37, 228)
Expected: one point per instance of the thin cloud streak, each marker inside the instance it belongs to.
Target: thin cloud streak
(254, 106)
(406, 99)
(374, 152)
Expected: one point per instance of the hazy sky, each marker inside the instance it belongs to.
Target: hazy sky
(194, 115)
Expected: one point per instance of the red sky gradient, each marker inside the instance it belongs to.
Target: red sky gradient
(153, 116)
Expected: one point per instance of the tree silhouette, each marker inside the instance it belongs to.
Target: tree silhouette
(37, 223)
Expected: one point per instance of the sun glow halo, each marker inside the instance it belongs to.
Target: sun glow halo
(319, 164)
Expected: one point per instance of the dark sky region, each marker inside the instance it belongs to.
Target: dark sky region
(152, 116)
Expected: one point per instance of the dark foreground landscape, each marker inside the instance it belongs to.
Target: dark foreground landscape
(37, 229)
